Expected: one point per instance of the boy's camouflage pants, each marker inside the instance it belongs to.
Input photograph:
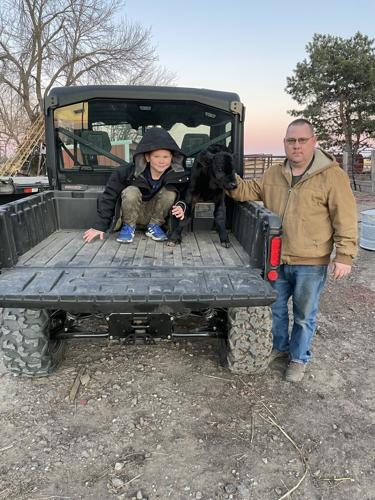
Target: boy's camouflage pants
(155, 211)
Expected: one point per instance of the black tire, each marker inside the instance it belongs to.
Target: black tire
(248, 345)
(27, 344)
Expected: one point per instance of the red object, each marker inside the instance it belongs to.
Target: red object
(275, 251)
(272, 275)
(30, 190)
(358, 163)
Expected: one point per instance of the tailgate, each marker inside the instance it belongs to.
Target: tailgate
(132, 290)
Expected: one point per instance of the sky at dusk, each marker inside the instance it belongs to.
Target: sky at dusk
(246, 47)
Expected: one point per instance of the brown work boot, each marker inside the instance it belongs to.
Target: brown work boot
(275, 354)
(295, 372)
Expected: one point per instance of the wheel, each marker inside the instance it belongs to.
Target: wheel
(249, 342)
(27, 341)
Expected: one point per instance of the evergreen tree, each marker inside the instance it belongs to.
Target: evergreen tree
(336, 86)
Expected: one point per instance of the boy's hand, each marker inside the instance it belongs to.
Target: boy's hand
(178, 212)
(90, 234)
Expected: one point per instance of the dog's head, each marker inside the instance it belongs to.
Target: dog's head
(221, 167)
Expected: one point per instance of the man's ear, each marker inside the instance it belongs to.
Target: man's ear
(147, 156)
(205, 158)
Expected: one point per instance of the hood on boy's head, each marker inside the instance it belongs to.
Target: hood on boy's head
(157, 138)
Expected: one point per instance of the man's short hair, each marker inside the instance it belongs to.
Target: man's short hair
(302, 121)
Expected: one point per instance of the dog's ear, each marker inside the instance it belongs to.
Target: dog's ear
(205, 158)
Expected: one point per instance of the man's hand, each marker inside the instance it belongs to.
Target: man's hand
(90, 234)
(178, 212)
(339, 270)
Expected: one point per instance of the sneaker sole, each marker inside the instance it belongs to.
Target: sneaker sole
(155, 238)
(124, 241)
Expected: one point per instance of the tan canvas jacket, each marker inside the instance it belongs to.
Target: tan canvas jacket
(318, 213)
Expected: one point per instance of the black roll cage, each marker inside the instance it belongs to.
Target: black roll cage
(64, 96)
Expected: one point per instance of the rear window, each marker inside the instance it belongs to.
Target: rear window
(104, 134)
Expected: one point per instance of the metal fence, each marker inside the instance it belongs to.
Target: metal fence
(361, 179)
(256, 164)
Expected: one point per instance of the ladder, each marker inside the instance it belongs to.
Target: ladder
(34, 136)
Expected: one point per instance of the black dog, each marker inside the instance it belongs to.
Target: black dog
(212, 172)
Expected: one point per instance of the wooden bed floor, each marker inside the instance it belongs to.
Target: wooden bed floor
(198, 250)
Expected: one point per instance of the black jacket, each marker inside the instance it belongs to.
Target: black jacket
(176, 179)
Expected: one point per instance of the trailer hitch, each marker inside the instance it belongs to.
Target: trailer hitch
(137, 328)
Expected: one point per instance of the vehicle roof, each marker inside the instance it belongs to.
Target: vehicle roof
(62, 96)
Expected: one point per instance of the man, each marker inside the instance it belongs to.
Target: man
(312, 195)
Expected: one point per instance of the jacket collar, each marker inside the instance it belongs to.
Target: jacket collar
(322, 161)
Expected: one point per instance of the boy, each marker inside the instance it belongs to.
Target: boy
(147, 189)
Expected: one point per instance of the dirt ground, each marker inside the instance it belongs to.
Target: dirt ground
(167, 422)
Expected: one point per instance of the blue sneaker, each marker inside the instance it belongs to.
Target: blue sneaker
(126, 235)
(156, 233)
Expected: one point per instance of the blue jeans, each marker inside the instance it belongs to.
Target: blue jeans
(304, 284)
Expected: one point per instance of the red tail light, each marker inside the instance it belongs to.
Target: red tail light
(275, 251)
(272, 275)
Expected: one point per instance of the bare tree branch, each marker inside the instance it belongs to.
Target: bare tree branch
(44, 43)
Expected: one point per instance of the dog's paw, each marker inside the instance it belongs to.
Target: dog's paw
(172, 243)
(226, 244)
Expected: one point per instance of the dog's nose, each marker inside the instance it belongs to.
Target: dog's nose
(232, 185)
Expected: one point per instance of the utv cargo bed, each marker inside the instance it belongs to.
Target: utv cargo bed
(54, 268)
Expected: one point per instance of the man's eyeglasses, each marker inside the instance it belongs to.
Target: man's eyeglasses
(291, 141)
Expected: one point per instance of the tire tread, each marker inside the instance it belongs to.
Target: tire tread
(26, 344)
(249, 341)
